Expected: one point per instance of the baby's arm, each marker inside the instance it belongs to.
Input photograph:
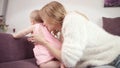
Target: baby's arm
(24, 32)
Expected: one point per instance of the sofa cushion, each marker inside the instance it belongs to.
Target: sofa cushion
(14, 49)
(112, 25)
(28, 63)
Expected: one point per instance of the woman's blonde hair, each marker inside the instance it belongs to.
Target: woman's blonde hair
(36, 16)
(54, 10)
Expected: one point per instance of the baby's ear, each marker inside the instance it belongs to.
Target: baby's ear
(32, 22)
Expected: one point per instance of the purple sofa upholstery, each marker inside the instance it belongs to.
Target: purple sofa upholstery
(16, 53)
(112, 25)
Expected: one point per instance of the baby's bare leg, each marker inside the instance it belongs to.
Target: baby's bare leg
(50, 64)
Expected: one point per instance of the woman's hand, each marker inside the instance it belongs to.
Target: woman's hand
(38, 39)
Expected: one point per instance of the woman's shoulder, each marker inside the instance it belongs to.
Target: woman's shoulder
(74, 20)
(77, 14)
(74, 17)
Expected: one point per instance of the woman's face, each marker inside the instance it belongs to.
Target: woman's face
(50, 24)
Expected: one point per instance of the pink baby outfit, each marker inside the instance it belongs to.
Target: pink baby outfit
(40, 51)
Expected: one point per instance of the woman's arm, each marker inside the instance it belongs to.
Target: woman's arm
(56, 52)
(23, 32)
(75, 38)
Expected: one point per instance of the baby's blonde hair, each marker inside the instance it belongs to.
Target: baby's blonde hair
(35, 16)
(54, 10)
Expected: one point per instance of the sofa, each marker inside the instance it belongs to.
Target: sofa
(16, 53)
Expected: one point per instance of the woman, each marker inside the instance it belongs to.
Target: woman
(82, 41)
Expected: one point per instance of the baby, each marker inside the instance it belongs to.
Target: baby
(43, 57)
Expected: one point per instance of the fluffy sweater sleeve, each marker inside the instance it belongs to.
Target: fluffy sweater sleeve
(74, 34)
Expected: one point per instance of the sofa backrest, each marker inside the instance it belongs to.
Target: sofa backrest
(14, 49)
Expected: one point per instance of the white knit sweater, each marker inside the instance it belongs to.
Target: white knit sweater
(87, 43)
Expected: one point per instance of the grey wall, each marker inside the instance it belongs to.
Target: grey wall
(18, 11)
